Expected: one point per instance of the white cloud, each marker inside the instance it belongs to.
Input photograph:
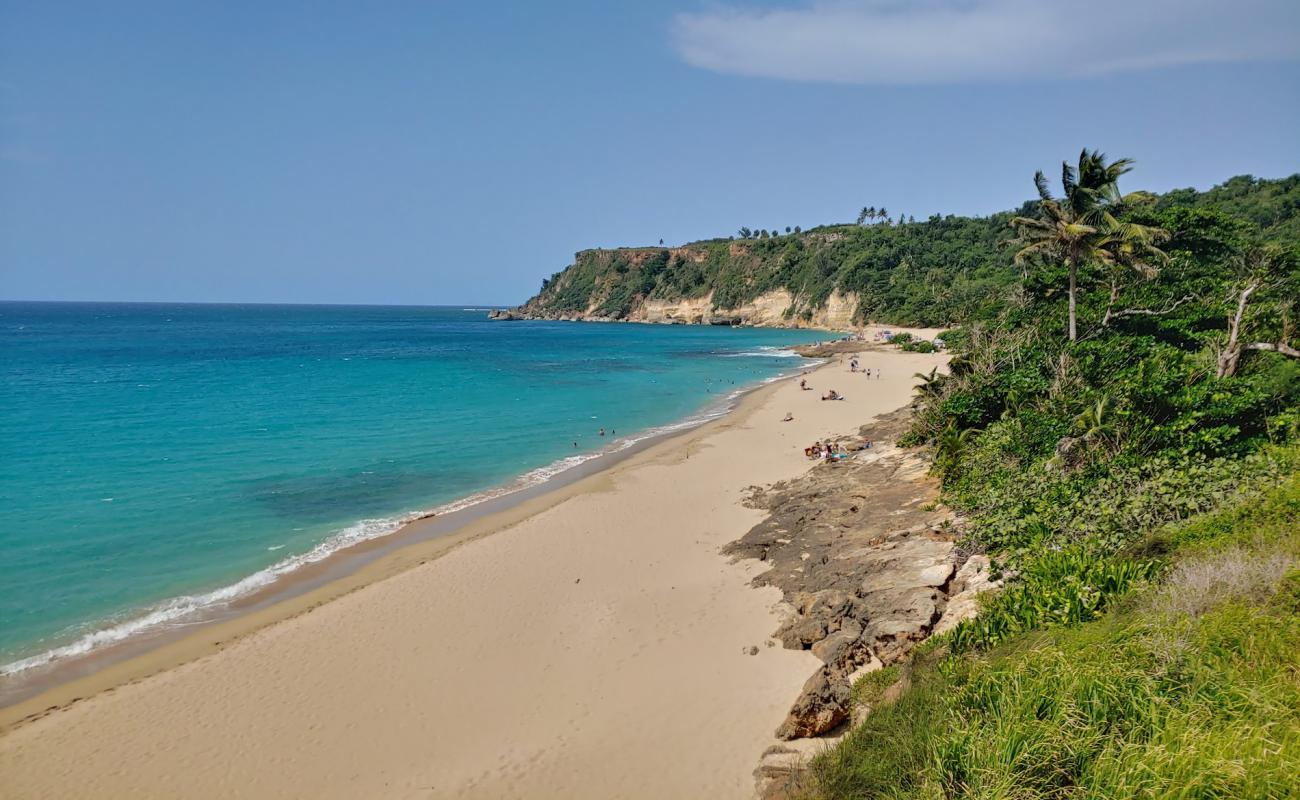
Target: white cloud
(961, 41)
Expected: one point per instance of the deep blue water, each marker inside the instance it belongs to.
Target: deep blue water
(157, 458)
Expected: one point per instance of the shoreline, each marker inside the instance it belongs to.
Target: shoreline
(33, 684)
(596, 643)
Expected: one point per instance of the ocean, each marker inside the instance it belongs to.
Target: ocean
(161, 460)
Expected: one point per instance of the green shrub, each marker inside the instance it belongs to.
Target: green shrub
(1067, 587)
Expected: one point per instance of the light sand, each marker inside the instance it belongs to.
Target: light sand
(595, 646)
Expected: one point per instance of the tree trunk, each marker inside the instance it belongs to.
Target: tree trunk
(1074, 270)
(1232, 351)
(1110, 306)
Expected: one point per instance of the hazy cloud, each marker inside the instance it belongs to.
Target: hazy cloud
(960, 41)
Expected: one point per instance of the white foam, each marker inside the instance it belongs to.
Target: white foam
(765, 352)
(189, 608)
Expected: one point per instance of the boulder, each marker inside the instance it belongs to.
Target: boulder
(822, 705)
(838, 647)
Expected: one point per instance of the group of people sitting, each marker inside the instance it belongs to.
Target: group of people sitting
(832, 395)
(828, 450)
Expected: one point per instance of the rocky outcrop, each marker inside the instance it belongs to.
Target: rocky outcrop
(868, 563)
(774, 309)
(972, 580)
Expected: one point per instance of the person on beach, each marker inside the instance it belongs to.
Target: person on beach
(602, 431)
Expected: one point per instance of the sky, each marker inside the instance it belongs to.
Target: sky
(445, 152)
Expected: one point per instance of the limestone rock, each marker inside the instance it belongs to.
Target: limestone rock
(970, 581)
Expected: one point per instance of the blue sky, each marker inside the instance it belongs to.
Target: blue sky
(440, 152)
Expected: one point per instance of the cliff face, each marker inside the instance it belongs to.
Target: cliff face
(773, 309)
(711, 283)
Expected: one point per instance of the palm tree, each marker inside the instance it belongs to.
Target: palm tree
(1097, 422)
(950, 446)
(883, 214)
(929, 384)
(1081, 227)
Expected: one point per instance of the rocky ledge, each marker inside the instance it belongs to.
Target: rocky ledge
(869, 565)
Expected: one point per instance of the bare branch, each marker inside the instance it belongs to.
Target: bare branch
(1275, 347)
(1147, 312)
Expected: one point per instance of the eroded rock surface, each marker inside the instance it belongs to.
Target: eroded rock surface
(868, 564)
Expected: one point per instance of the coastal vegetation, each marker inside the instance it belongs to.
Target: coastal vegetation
(942, 270)
(1119, 434)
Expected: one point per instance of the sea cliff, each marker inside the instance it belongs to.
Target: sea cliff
(837, 277)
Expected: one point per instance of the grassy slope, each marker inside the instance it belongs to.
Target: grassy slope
(1190, 688)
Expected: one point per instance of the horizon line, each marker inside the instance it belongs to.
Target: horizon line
(258, 303)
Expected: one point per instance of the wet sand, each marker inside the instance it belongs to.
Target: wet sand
(594, 645)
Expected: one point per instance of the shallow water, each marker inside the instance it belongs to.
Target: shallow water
(163, 458)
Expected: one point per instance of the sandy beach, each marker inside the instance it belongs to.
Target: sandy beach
(595, 644)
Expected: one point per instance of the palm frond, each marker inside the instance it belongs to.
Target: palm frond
(1044, 191)
(1069, 180)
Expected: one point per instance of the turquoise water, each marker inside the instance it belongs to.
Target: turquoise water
(160, 459)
